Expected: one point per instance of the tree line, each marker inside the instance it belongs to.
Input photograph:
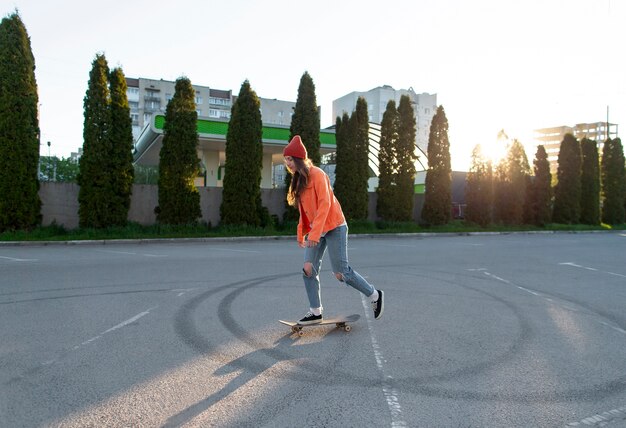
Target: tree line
(588, 189)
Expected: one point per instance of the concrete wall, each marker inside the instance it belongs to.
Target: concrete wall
(144, 199)
(60, 204)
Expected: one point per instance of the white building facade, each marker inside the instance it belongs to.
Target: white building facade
(551, 138)
(424, 106)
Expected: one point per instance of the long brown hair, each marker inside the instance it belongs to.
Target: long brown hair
(299, 180)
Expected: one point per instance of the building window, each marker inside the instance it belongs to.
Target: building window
(198, 99)
(219, 101)
(214, 113)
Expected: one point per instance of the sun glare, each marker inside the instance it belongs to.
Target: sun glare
(495, 150)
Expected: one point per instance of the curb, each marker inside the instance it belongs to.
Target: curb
(289, 237)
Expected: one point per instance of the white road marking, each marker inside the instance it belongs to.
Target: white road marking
(601, 419)
(93, 339)
(390, 393)
(549, 299)
(18, 260)
(129, 321)
(182, 291)
(234, 251)
(529, 291)
(616, 274)
(499, 279)
(129, 253)
(117, 327)
(99, 336)
(592, 269)
(117, 252)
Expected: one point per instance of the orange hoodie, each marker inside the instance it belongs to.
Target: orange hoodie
(320, 211)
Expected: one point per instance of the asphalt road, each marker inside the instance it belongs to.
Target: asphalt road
(517, 330)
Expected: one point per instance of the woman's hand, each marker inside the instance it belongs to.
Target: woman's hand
(310, 243)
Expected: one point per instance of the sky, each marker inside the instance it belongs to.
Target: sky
(494, 64)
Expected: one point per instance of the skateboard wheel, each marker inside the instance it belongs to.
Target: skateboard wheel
(294, 329)
(300, 333)
(347, 328)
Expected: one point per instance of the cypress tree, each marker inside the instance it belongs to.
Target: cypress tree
(567, 190)
(438, 194)
(121, 158)
(388, 163)
(360, 125)
(241, 196)
(179, 200)
(517, 171)
(589, 183)
(344, 167)
(306, 118)
(405, 150)
(306, 123)
(501, 195)
(95, 194)
(20, 206)
(613, 182)
(352, 171)
(541, 189)
(479, 189)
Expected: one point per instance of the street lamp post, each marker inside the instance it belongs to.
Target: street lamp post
(49, 162)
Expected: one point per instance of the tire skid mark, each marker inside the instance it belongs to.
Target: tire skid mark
(424, 385)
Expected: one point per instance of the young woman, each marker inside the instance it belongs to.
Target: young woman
(322, 226)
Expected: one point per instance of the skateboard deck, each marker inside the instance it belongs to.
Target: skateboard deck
(339, 321)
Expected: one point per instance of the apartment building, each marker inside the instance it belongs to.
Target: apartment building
(551, 138)
(148, 97)
(424, 106)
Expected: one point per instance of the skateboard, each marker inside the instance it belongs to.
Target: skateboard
(339, 321)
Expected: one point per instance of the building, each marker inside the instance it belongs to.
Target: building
(147, 97)
(551, 138)
(424, 105)
(148, 100)
(212, 148)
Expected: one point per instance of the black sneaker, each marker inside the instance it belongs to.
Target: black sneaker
(378, 305)
(310, 318)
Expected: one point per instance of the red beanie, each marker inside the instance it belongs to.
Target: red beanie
(295, 148)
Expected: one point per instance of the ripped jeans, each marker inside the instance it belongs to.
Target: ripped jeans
(336, 241)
